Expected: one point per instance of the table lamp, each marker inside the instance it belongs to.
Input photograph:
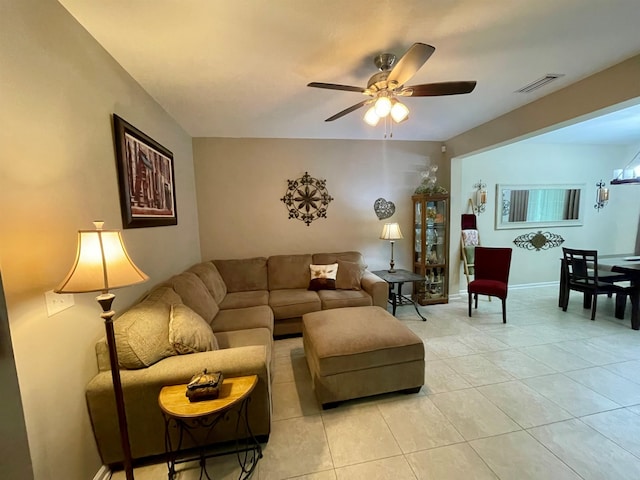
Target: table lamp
(102, 264)
(391, 232)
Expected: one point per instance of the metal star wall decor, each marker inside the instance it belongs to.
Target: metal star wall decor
(307, 198)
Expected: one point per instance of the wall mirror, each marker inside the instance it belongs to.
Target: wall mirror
(529, 206)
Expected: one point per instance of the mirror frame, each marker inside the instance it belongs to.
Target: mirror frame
(500, 225)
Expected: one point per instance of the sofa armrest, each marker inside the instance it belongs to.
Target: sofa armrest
(142, 387)
(376, 287)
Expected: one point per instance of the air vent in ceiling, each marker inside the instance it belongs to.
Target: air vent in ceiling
(541, 82)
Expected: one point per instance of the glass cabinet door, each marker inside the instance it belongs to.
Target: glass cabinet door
(431, 251)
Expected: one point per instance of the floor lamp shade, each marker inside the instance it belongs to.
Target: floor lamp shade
(102, 263)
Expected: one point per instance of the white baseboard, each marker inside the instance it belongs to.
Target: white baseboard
(103, 474)
(517, 287)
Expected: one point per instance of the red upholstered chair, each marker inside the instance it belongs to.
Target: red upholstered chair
(492, 267)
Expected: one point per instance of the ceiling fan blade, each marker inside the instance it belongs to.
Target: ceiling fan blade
(352, 108)
(335, 86)
(441, 88)
(410, 63)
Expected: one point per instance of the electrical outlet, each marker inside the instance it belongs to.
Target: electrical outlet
(57, 302)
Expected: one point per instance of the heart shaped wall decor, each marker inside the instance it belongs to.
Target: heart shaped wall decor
(383, 208)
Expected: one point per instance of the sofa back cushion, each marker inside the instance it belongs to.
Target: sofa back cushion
(142, 332)
(326, 258)
(212, 279)
(351, 267)
(242, 275)
(289, 271)
(195, 295)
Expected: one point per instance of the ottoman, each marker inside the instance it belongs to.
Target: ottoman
(355, 352)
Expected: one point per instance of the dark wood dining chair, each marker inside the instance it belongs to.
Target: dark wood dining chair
(581, 274)
(492, 266)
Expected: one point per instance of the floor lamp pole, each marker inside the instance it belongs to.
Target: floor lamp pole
(105, 300)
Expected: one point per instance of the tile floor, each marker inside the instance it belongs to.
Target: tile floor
(550, 395)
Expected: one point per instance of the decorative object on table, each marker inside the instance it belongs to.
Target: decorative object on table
(391, 232)
(480, 197)
(602, 195)
(431, 247)
(383, 208)
(102, 264)
(204, 386)
(630, 173)
(145, 178)
(429, 183)
(307, 198)
(538, 240)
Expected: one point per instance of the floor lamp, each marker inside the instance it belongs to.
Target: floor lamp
(102, 263)
(391, 232)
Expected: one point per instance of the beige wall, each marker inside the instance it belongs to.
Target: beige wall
(57, 174)
(605, 91)
(608, 230)
(240, 183)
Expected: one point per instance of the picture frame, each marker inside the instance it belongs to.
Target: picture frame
(146, 178)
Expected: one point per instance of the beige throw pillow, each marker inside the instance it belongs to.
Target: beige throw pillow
(189, 332)
(349, 275)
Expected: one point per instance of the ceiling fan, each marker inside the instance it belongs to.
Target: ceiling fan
(384, 87)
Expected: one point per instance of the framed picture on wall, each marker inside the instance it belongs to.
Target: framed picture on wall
(145, 178)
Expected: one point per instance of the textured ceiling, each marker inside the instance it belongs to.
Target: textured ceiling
(240, 68)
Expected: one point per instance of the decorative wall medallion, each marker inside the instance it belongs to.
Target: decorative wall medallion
(383, 208)
(538, 240)
(307, 198)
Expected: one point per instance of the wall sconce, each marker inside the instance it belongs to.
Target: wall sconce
(602, 196)
(481, 197)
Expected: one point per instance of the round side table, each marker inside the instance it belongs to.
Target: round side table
(188, 417)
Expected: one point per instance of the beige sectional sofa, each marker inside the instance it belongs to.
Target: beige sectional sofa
(245, 303)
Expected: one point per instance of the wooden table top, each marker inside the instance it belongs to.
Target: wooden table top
(174, 402)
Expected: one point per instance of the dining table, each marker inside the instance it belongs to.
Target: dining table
(629, 265)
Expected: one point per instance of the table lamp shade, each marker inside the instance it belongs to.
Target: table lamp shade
(102, 263)
(391, 231)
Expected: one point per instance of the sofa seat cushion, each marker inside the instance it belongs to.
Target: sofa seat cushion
(359, 338)
(142, 332)
(251, 298)
(344, 298)
(245, 274)
(247, 338)
(242, 319)
(294, 302)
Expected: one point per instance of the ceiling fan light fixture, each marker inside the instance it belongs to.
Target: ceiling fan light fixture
(382, 106)
(371, 117)
(399, 111)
